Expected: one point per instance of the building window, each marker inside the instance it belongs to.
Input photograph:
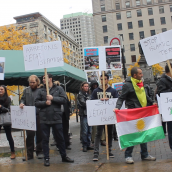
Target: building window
(131, 36)
(164, 29)
(152, 32)
(104, 28)
(170, 8)
(117, 6)
(150, 11)
(159, 1)
(128, 13)
(102, 7)
(151, 22)
(49, 31)
(105, 39)
(161, 9)
(122, 36)
(132, 47)
(141, 34)
(45, 28)
(118, 16)
(139, 13)
(119, 25)
(103, 18)
(127, 4)
(140, 23)
(133, 58)
(149, 2)
(163, 20)
(45, 36)
(130, 25)
(137, 2)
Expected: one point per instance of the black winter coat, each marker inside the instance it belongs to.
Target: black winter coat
(5, 106)
(51, 114)
(129, 96)
(164, 84)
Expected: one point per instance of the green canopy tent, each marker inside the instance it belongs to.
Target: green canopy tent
(15, 73)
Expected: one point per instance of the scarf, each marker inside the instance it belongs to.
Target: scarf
(140, 91)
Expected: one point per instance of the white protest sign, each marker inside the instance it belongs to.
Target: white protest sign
(2, 67)
(43, 55)
(157, 48)
(159, 103)
(101, 112)
(166, 106)
(23, 118)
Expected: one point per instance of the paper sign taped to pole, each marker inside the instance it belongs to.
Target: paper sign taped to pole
(157, 48)
(101, 112)
(2, 67)
(23, 118)
(43, 55)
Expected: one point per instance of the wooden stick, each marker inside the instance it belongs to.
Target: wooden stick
(169, 66)
(25, 145)
(46, 79)
(106, 128)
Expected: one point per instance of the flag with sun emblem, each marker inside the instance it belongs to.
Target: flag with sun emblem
(139, 125)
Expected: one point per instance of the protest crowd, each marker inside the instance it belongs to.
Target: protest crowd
(53, 114)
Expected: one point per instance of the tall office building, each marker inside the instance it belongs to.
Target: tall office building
(81, 24)
(132, 19)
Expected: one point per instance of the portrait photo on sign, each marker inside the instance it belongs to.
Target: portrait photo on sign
(93, 75)
(91, 58)
(113, 58)
(2, 67)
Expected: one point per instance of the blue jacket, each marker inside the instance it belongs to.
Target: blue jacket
(98, 93)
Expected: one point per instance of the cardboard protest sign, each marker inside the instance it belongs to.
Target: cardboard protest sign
(117, 86)
(157, 48)
(43, 55)
(92, 76)
(23, 118)
(166, 106)
(2, 67)
(101, 112)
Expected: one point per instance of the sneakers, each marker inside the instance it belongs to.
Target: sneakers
(95, 158)
(67, 159)
(149, 158)
(111, 155)
(46, 162)
(129, 160)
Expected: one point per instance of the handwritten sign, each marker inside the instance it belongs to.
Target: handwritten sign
(166, 106)
(157, 48)
(23, 118)
(101, 112)
(43, 55)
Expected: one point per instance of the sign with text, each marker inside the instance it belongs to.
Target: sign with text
(117, 86)
(43, 55)
(157, 48)
(166, 106)
(101, 112)
(23, 118)
(2, 67)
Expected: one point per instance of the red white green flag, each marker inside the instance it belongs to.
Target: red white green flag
(139, 125)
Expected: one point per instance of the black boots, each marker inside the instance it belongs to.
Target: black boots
(67, 159)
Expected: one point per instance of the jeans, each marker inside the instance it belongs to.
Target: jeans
(65, 130)
(30, 139)
(98, 136)
(9, 136)
(58, 134)
(169, 130)
(86, 132)
(144, 152)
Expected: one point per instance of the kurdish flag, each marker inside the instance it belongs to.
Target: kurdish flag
(139, 125)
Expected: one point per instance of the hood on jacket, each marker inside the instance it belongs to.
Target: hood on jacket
(92, 83)
(128, 79)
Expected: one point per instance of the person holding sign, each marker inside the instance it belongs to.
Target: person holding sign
(51, 116)
(133, 93)
(164, 85)
(28, 99)
(98, 94)
(5, 103)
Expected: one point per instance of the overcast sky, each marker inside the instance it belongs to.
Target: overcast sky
(51, 9)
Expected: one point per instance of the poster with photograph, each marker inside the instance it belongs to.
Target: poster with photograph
(92, 76)
(108, 72)
(2, 67)
(91, 58)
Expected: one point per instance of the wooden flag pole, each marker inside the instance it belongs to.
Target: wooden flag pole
(169, 66)
(106, 128)
(25, 144)
(46, 79)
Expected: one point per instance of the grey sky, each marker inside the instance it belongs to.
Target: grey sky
(51, 9)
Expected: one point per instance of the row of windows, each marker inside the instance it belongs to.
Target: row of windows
(139, 13)
(70, 23)
(70, 27)
(128, 5)
(74, 19)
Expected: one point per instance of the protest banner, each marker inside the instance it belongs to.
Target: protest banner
(2, 67)
(166, 106)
